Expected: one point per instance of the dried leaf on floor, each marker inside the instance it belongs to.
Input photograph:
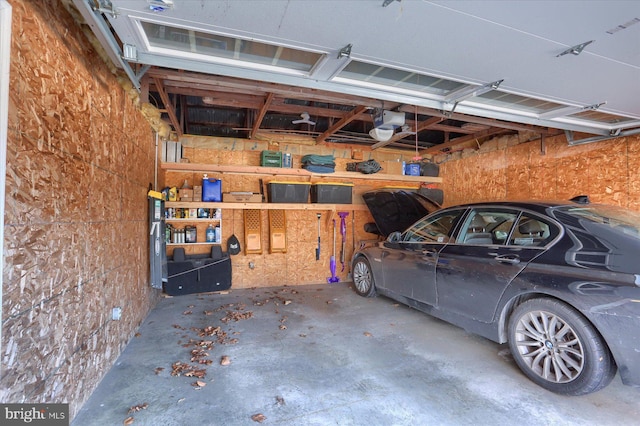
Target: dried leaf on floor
(225, 360)
(137, 335)
(182, 369)
(366, 333)
(187, 313)
(208, 312)
(181, 400)
(286, 302)
(280, 400)
(137, 408)
(259, 418)
(282, 327)
(236, 316)
(158, 370)
(199, 355)
(302, 335)
(329, 302)
(199, 384)
(128, 421)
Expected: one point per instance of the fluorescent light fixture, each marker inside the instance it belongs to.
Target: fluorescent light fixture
(470, 91)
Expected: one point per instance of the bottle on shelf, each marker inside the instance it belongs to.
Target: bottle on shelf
(218, 235)
(211, 234)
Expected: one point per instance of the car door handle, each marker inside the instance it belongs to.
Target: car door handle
(514, 260)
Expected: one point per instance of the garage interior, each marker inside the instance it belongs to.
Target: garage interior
(511, 101)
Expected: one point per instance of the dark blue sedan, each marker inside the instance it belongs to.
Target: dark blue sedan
(558, 281)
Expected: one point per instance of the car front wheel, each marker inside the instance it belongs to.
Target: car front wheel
(363, 278)
(558, 348)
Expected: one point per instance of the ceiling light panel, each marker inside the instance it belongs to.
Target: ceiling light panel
(603, 117)
(516, 102)
(358, 72)
(220, 47)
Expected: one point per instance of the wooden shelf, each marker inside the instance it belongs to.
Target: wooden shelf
(192, 219)
(280, 171)
(264, 206)
(192, 244)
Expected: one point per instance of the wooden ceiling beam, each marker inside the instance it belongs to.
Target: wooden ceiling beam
(464, 139)
(168, 106)
(217, 83)
(346, 119)
(261, 113)
(231, 92)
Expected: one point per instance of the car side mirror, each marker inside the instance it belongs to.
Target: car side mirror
(394, 237)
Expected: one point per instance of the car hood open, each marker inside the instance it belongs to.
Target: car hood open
(397, 209)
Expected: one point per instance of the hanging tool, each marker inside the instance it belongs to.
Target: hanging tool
(343, 232)
(332, 262)
(318, 248)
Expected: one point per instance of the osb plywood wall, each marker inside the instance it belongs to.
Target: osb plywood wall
(607, 171)
(298, 266)
(79, 161)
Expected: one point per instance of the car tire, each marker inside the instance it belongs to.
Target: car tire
(363, 281)
(558, 348)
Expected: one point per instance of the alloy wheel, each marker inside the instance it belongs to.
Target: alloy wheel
(549, 346)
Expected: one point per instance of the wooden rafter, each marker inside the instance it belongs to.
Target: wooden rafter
(261, 113)
(348, 118)
(464, 139)
(168, 106)
(230, 92)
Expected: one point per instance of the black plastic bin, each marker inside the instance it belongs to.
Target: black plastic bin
(288, 192)
(332, 193)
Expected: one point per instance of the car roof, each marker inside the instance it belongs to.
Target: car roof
(535, 205)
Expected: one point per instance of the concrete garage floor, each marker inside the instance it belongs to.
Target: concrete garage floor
(322, 355)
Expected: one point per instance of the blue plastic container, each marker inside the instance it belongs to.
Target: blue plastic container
(412, 169)
(211, 190)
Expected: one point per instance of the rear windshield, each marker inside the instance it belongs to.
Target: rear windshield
(619, 218)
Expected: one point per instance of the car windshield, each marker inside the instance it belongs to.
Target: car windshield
(625, 220)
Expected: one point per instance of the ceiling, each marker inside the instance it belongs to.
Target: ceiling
(458, 71)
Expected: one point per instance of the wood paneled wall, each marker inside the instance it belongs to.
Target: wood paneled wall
(79, 160)
(502, 169)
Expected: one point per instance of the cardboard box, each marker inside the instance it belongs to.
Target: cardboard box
(197, 192)
(241, 197)
(185, 194)
(392, 167)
